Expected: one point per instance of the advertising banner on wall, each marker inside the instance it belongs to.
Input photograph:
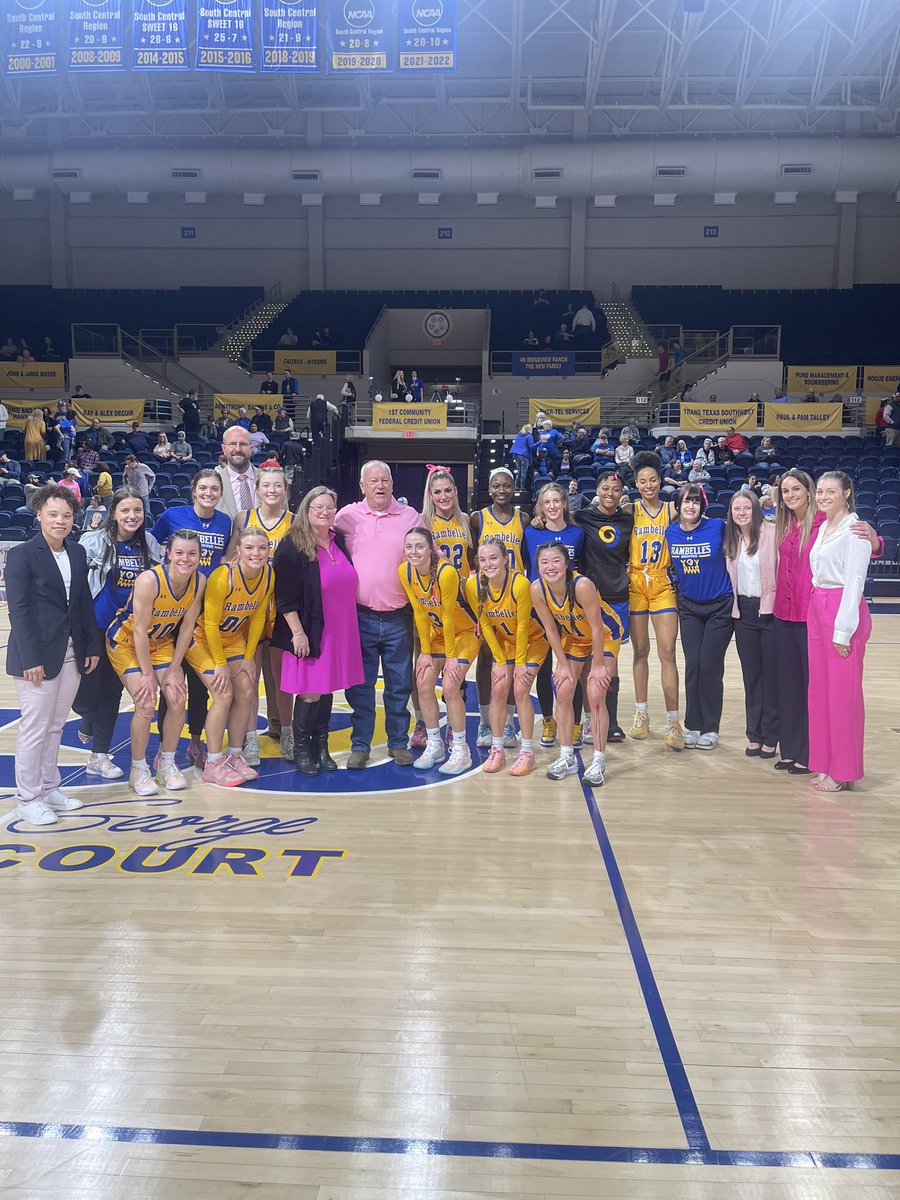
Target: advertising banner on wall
(107, 412)
(715, 418)
(33, 375)
(404, 418)
(586, 411)
(821, 379)
(229, 404)
(306, 362)
(803, 418)
(525, 363)
(883, 380)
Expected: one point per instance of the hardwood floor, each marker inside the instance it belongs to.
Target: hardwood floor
(706, 962)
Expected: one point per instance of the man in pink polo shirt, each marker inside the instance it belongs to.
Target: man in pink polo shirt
(375, 530)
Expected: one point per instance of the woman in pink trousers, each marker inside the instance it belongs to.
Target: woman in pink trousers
(839, 626)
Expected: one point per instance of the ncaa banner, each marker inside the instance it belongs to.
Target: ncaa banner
(565, 412)
(225, 36)
(30, 37)
(160, 36)
(306, 362)
(360, 36)
(705, 418)
(96, 36)
(289, 35)
(803, 418)
(885, 380)
(33, 375)
(525, 363)
(821, 379)
(403, 418)
(427, 35)
(107, 412)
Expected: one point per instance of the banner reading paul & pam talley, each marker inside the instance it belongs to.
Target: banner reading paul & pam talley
(409, 418)
(821, 379)
(566, 412)
(715, 418)
(803, 418)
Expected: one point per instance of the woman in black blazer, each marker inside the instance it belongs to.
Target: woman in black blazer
(53, 640)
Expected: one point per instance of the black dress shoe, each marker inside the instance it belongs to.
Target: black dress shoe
(767, 753)
(785, 764)
(752, 751)
(793, 769)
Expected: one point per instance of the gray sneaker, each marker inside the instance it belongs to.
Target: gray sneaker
(251, 749)
(562, 767)
(595, 775)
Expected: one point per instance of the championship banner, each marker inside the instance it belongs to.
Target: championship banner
(306, 362)
(107, 412)
(715, 418)
(289, 36)
(427, 35)
(96, 36)
(821, 379)
(225, 36)
(228, 404)
(160, 35)
(401, 418)
(564, 412)
(30, 38)
(359, 36)
(542, 363)
(33, 375)
(803, 418)
(884, 380)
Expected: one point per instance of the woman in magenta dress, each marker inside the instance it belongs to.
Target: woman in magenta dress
(316, 625)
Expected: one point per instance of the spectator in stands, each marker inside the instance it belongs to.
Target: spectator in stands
(86, 458)
(261, 419)
(634, 434)
(138, 475)
(398, 384)
(94, 514)
(163, 449)
(891, 415)
(530, 340)
(565, 463)
(269, 386)
(767, 455)
(9, 350)
(137, 441)
(521, 451)
(663, 373)
(540, 299)
(543, 467)
(66, 427)
(698, 472)
(34, 432)
(258, 438)
(190, 412)
(735, 441)
(80, 394)
(33, 485)
(51, 435)
(624, 455)
(673, 477)
(24, 354)
(568, 313)
(679, 354)
(238, 475)
(375, 530)
(4, 417)
(327, 338)
(289, 385)
(682, 453)
(288, 338)
(880, 423)
(271, 461)
(416, 388)
(282, 422)
(723, 452)
(604, 453)
(584, 323)
(547, 344)
(71, 480)
(769, 500)
(104, 481)
(242, 418)
(576, 500)
(550, 439)
(348, 391)
(580, 446)
(778, 394)
(49, 352)
(752, 484)
(666, 450)
(10, 470)
(318, 415)
(706, 455)
(811, 397)
(562, 337)
(97, 437)
(181, 447)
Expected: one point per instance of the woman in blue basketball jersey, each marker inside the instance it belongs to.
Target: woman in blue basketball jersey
(705, 600)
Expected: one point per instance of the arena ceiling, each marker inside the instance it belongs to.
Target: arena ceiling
(560, 70)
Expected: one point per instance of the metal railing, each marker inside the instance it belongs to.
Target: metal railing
(587, 362)
(257, 362)
(460, 413)
(272, 295)
(114, 341)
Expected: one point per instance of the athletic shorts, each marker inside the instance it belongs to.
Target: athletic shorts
(123, 659)
(467, 645)
(200, 656)
(618, 630)
(580, 651)
(650, 594)
(537, 651)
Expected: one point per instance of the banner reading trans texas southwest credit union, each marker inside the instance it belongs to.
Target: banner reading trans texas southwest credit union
(715, 418)
(565, 412)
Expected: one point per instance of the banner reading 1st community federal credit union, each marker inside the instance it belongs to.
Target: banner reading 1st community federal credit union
(564, 412)
(409, 418)
(715, 418)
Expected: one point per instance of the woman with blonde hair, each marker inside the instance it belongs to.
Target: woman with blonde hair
(316, 625)
(442, 515)
(163, 448)
(35, 446)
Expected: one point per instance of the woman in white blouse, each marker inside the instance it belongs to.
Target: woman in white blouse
(839, 626)
(750, 556)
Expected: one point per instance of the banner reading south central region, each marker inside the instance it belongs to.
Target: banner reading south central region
(225, 36)
(30, 37)
(96, 36)
(289, 36)
(160, 35)
(360, 36)
(427, 35)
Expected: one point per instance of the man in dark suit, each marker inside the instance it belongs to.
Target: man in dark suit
(53, 640)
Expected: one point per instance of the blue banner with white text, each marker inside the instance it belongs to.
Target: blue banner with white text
(160, 35)
(30, 37)
(427, 35)
(96, 36)
(225, 36)
(289, 36)
(546, 363)
(360, 36)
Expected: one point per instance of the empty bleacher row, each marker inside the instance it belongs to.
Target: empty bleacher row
(818, 327)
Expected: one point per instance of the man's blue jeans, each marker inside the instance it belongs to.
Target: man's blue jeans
(385, 637)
